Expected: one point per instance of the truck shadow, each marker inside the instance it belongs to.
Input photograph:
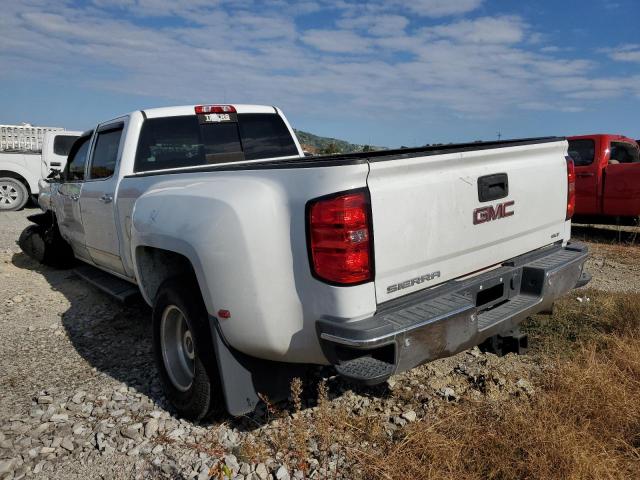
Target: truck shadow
(116, 340)
(592, 233)
(113, 338)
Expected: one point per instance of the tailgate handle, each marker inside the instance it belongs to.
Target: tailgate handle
(493, 187)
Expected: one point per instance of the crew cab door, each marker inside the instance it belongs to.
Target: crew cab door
(66, 200)
(583, 152)
(98, 194)
(622, 181)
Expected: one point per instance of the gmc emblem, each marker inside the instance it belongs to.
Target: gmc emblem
(490, 213)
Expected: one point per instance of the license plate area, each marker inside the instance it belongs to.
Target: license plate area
(494, 291)
(489, 295)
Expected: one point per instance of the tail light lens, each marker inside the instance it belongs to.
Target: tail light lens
(339, 230)
(571, 188)
(202, 109)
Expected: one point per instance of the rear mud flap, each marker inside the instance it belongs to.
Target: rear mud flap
(246, 379)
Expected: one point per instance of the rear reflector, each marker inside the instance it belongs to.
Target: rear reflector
(340, 238)
(200, 109)
(571, 188)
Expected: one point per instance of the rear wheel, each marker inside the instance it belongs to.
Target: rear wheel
(183, 349)
(13, 194)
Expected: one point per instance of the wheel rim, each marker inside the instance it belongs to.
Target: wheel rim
(9, 195)
(178, 349)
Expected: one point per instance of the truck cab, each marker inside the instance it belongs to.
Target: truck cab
(608, 178)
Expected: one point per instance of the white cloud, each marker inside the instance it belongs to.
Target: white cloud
(625, 53)
(508, 29)
(441, 8)
(377, 25)
(336, 41)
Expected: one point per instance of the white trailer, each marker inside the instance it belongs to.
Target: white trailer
(23, 138)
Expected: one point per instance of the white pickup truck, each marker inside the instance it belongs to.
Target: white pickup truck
(259, 262)
(21, 172)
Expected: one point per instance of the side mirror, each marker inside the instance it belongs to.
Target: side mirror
(55, 175)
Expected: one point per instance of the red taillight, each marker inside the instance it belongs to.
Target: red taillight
(340, 238)
(201, 109)
(571, 188)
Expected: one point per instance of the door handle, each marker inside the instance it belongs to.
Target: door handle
(106, 198)
(75, 197)
(585, 174)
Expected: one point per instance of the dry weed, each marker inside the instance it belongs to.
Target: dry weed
(583, 423)
(299, 429)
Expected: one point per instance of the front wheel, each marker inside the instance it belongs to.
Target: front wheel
(183, 350)
(13, 194)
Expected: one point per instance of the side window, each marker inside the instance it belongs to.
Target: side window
(77, 161)
(582, 151)
(624, 153)
(62, 144)
(105, 153)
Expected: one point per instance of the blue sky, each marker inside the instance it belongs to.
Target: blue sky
(381, 72)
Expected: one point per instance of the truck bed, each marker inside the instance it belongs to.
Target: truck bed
(360, 157)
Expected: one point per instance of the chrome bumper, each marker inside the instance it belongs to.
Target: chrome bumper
(452, 317)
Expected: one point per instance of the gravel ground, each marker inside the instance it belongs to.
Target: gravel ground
(80, 397)
(614, 259)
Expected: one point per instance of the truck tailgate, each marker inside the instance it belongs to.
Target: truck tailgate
(429, 225)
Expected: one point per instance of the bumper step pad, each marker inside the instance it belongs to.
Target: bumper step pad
(516, 305)
(366, 370)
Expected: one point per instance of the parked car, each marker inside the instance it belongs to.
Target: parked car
(22, 169)
(608, 178)
(259, 262)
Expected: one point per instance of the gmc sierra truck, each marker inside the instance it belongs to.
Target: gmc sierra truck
(608, 179)
(259, 261)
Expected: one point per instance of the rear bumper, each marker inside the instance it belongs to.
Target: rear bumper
(452, 317)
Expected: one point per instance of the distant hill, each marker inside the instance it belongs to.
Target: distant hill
(316, 144)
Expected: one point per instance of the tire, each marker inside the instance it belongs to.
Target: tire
(13, 194)
(183, 350)
(32, 242)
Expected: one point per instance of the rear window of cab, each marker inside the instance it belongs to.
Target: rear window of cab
(582, 151)
(186, 141)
